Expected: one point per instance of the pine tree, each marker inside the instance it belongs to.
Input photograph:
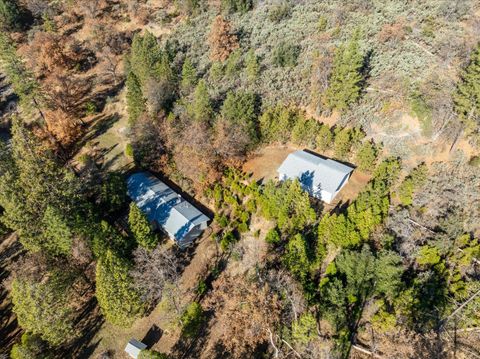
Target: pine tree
(141, 229)
(145, 55)
(296, 257)
(324, 138)
(10, 15)
(221, 39)
(135, 101)
(30, 347)
(239, 108)
(189, 75)
(22, 80)
(366, 156)
(119, 301)
(42, 308)
(31, 181)
(346, 78)
(467, 98)
(342, 142)
(252, 65)
(202, 108)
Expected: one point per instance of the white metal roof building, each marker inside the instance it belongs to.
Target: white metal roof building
(166, 208)
(322, 178)
(134, 347)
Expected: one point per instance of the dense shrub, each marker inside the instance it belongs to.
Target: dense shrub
(10, 15)
(237, 5)
(367, 156)
(276, 124)
(285, 54)
(413, 181)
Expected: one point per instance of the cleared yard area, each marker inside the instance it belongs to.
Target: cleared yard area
(264, 163)
(355, 185)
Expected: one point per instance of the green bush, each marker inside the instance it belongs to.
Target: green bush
(414, 180)
(227, 240)
(222, 220)
(324, 137)
(286, 55)
(31, 347)
(151, 354)
(90, 108)
(278, 12)
(367, 156)
(10, 15)
(243, 227)
(129, 150)
(192, 319)
(241, 6)
(276, 124)
(201, 288)
(272, 237)
(322, 23)
(304, 329)
(305, 132)
(474, 161)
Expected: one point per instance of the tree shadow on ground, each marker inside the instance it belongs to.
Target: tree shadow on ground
(88, 323)
(10, 331)
(153, 335)
(193, 347)
(99, 126)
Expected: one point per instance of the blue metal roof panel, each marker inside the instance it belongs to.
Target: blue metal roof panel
(162, 204)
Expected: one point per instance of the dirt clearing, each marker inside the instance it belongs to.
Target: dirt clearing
(264, 163)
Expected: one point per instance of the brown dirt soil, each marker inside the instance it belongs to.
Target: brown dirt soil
(264, 163)
(355, 185)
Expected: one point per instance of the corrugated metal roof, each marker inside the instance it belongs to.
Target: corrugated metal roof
(134, 347)
(162, 204)
(314, 173)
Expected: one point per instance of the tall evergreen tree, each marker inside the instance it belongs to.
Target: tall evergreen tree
(38, 196)
(239, 108)
(145, 55)
(189, 75)
(43, 308)
(202, 107)
(252, 65)
(141, 228)
(22, 80)
(467, 98)
(346, 77)
(116, 296)
(135, 100)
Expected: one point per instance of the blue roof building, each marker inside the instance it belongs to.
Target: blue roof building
(322, 178)
(166, 209)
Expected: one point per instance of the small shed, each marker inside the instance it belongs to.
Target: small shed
(322, 177)
(166, 209)
(134, 347)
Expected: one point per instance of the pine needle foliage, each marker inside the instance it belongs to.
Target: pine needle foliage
(345, 82)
